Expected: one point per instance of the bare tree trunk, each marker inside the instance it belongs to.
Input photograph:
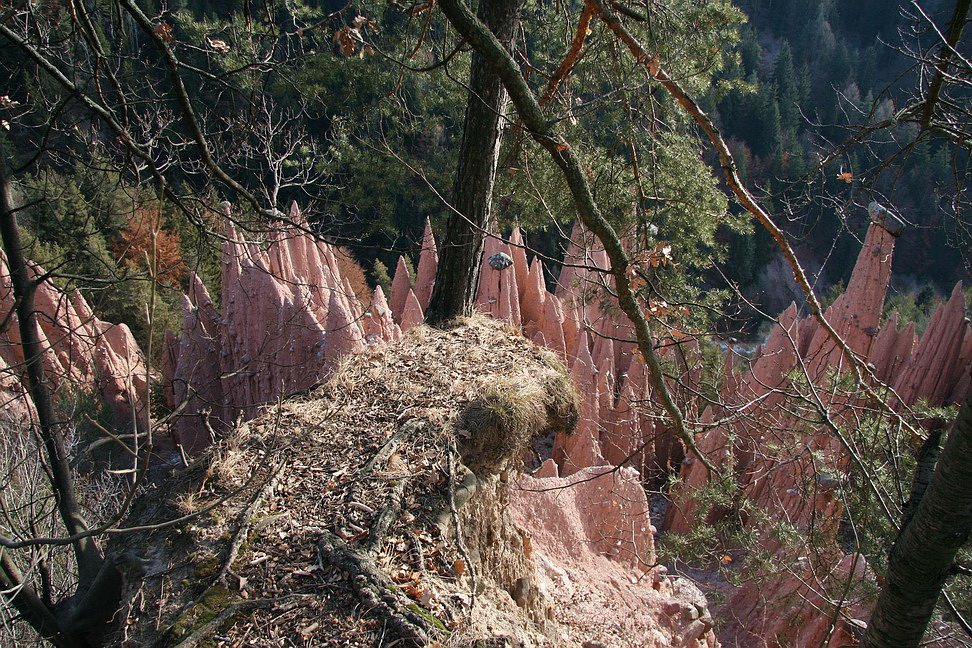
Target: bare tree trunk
(458, 275)
(922, 557)
(88, 556)
(92, 603)
(959, 18)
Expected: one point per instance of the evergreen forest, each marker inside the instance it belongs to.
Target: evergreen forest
(356, 112)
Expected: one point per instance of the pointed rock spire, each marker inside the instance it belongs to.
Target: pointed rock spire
(856, 313)
(520, 267)
(552, 325)
(575, 255)
(427, 267)
(934, 360)
(488, 293)
(511, 288)
(533, 293)
(582, 448)
(296, 218)
(380, 325)
(401, 286)
(412, 313)
(197, 381)
(883, 353)
(776, 358)
(343, 336)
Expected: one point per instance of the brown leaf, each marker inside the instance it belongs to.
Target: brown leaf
(414, 592)
(345, 41)
(164, 30)
(459, 567)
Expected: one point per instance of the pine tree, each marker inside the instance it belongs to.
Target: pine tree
(786, 89)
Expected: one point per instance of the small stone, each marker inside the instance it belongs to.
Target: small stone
(500, 261)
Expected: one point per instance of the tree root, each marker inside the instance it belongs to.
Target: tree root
(385, 517)
(379, 596)
(246, 520)
(388, 513)
(206, 630)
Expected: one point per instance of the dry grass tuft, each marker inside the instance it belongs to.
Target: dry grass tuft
(230, 464)
(494, 429)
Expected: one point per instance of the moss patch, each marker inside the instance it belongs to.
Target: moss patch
(216, 599)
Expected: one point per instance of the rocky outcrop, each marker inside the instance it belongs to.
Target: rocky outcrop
(787, 469)
(81, 354)
(574, 322)
(792, 471)
(288, 317)
(591, 537)
(367, 525)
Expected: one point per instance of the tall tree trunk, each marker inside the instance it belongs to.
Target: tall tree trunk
(92, 604)
(923, 554)
(959, 18)
(86, 552)
(459, 262)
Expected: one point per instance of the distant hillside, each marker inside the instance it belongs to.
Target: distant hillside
(820, 70)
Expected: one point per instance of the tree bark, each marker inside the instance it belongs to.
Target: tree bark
(957, 24)
(30, 606)
(922, 557)
(87, 554)
(457, 278)
(55, 627)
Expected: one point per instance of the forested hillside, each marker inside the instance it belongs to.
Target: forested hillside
(358, 112)
(821, 71)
